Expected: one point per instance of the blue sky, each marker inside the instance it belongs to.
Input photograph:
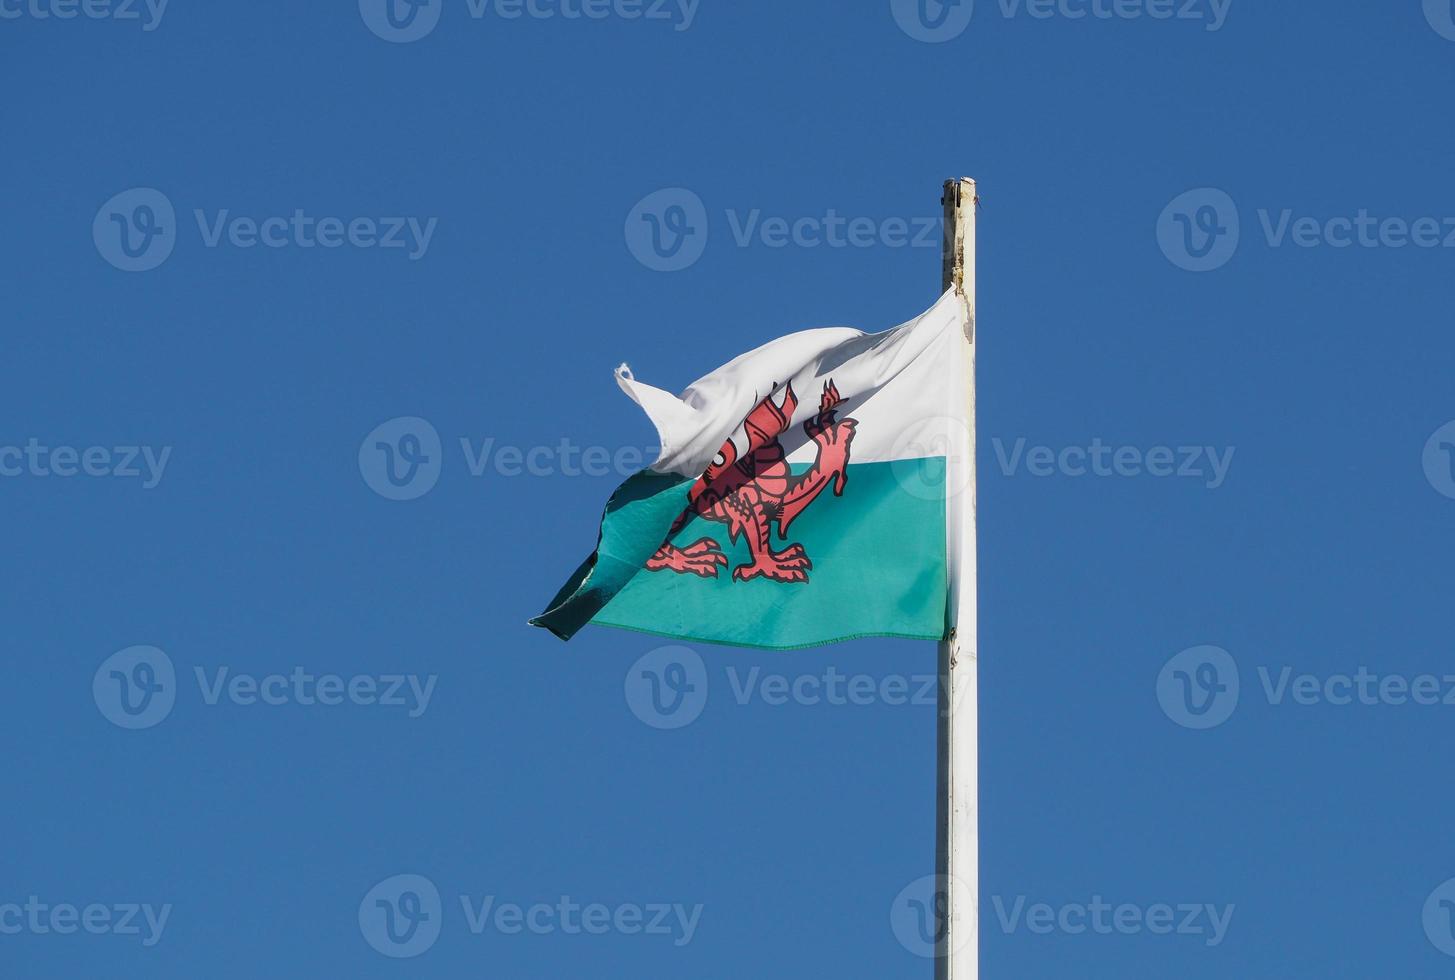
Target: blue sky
(256, 671)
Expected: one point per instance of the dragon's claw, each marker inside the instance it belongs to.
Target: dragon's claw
(788, 565)
(702, 558)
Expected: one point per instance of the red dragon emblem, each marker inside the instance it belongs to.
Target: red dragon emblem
(752, 492)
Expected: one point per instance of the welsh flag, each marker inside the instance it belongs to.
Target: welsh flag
(807, 492)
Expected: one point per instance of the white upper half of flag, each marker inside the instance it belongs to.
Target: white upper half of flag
(906, 387)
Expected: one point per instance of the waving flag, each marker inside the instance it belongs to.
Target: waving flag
(804, 494)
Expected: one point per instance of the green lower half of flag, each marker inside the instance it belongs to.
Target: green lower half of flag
(876, 554)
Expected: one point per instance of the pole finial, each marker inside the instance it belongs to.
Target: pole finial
(959, 199)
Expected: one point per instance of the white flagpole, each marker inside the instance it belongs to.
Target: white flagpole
(957, 837)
